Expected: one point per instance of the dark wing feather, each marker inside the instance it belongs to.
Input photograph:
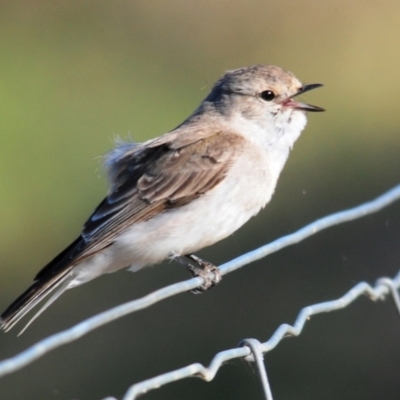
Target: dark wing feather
(146, 181)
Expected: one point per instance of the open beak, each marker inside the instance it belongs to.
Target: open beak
(303, 106)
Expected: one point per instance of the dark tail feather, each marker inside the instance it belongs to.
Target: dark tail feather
(31, 297)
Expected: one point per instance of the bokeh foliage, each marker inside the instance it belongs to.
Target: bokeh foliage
(76, 74)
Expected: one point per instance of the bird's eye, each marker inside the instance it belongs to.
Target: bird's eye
(267, 95)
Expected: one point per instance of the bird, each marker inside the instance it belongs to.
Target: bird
(185, 190)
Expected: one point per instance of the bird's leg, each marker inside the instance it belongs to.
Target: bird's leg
(204, 269)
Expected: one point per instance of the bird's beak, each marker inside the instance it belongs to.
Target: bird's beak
(303, 106)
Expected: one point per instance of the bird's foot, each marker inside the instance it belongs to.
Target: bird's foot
(209, 272)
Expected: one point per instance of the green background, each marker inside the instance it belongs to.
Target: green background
(74, 75)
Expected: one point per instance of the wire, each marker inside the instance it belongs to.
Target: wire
(385, 286)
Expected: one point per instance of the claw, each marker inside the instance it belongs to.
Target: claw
(209, 272)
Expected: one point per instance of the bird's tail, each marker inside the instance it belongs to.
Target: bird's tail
(31, 297)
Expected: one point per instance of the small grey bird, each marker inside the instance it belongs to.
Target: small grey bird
(195, 185)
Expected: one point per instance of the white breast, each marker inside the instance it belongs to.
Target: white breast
(247, 188)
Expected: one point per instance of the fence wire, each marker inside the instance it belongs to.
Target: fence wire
(251, 349)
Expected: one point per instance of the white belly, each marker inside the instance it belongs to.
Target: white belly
(215, 215)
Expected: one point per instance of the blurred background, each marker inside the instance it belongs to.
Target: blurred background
(74, 75)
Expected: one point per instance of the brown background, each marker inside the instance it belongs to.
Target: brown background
(76, 74)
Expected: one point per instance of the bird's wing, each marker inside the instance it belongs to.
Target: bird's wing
(147, 180)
